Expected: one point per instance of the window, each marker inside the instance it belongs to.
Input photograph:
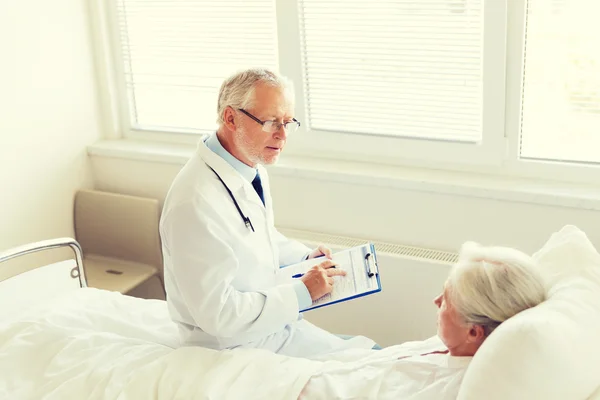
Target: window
(397, 68)
(176, 53)
(561, 93)
(509, 87)
(402, 81)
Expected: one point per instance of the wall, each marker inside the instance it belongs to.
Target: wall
(404, 216)
(48, 115)
(397, 215)
(422, 218)
(402, 311)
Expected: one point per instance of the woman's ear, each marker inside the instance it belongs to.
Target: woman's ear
(476, 334)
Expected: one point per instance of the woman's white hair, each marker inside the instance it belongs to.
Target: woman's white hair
(237, 91)
(488, 285)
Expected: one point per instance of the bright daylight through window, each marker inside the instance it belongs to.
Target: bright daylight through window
(561, 94)
(177, 53)
(400, 68)
(395, 68)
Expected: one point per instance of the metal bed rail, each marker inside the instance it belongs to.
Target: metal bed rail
(76, 272)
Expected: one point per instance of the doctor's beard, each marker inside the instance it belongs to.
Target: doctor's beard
(253, 151)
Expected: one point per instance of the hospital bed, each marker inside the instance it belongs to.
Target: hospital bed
(62, 340)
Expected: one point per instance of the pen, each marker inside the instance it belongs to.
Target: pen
(301, 275)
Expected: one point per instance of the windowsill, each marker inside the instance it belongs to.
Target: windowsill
(522, 190)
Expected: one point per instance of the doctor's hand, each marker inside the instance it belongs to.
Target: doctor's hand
(320, 251)
(319, 279)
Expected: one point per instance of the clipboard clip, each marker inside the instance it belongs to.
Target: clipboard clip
(371, 263)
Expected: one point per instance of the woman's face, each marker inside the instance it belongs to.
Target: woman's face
(452, 330)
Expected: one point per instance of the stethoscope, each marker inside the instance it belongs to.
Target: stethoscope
(246, 220)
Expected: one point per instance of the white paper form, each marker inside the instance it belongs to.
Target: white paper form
(356, 282)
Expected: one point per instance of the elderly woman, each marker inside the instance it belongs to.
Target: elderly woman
(487, 286)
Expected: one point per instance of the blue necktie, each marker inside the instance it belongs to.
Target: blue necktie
(258, 187)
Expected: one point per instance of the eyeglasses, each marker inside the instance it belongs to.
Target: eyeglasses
(273, 126)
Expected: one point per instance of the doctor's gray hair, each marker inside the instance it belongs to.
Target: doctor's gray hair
(237, 91)
(488, 285)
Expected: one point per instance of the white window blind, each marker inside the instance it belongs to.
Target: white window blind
(394, 67)
(176, 54)
(561, 92)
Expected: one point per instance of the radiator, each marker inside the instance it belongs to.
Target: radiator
(410, 278)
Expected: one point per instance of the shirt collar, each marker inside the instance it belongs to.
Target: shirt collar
(215, 145)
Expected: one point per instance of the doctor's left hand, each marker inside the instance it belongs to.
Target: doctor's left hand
(320, 251)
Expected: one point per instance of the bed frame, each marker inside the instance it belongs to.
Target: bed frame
(77, 271)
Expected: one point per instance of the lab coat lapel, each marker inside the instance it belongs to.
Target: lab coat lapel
(239, 186)
(269, 212)
(227, 173)
(251, 196)
(244, 192)
(264, 176)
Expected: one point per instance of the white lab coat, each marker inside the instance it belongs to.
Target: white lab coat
(220, 276)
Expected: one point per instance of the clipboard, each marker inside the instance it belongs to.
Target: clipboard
(362, 275)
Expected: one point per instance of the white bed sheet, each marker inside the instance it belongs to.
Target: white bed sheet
(94, 344)
(57, 351)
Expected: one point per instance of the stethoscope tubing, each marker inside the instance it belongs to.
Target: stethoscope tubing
(246, 219)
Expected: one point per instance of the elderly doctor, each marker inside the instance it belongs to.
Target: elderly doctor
(220, 245)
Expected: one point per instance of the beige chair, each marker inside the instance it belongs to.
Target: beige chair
(120, 239)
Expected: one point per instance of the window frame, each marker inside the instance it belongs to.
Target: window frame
(498, 154)
(514, 165)
(402, 150)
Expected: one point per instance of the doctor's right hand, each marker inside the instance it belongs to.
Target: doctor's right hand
(319, 279)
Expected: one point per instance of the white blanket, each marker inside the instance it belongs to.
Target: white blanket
(412, 371)
(57, 351)
(94, 344)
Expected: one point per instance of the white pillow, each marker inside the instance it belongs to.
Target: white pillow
(551, 351)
